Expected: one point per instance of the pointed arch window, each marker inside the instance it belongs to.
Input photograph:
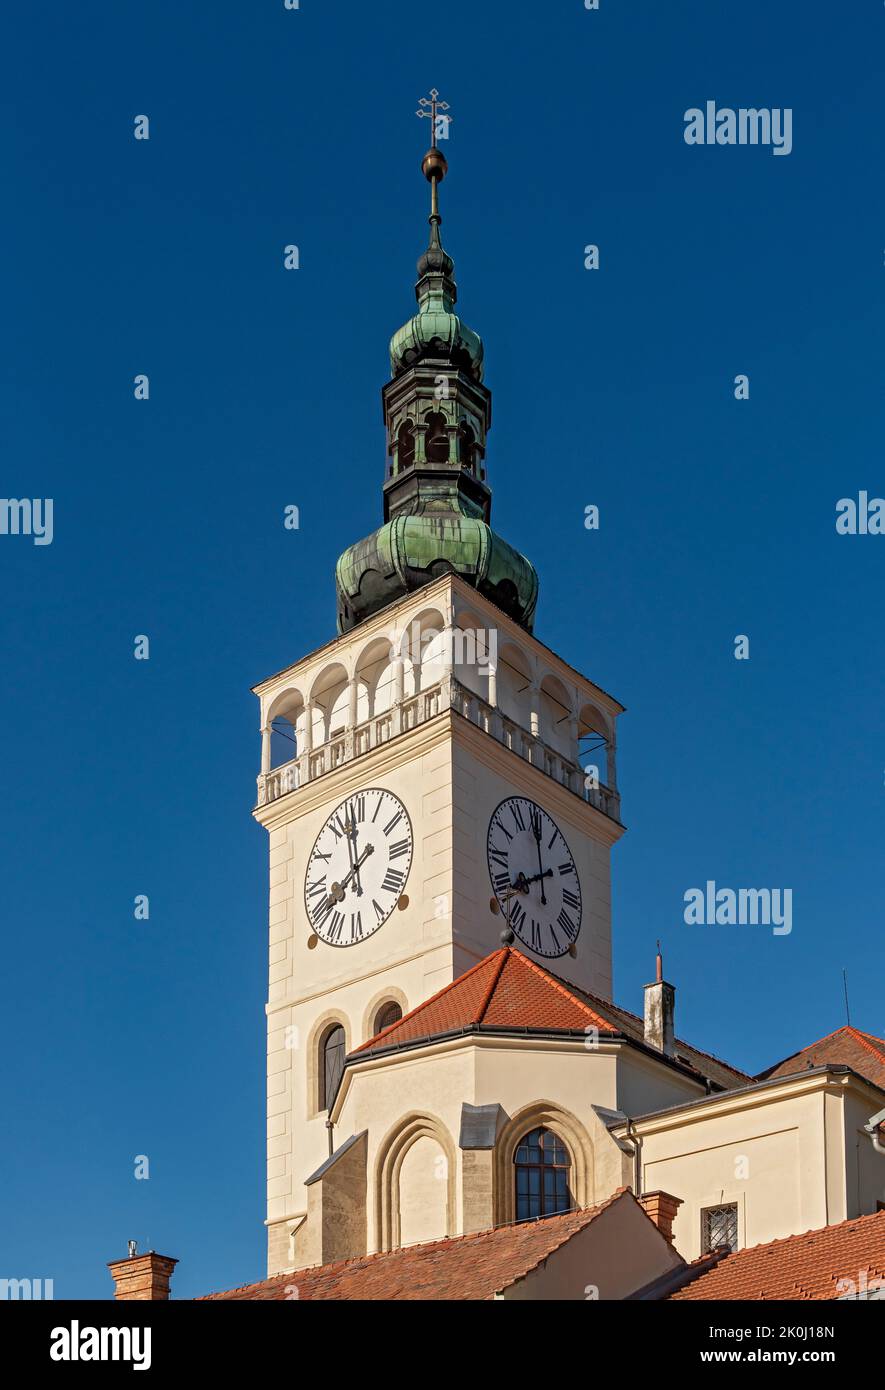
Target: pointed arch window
(542, 1173)
(332, 1049)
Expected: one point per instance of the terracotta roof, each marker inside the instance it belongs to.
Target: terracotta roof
(504, 990)
(507, 990)
(847, 1046)
(464, 1267)
(809, 1266)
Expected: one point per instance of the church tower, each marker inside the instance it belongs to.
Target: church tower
(453, 783)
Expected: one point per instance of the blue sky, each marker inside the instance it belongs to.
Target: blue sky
(612, 388)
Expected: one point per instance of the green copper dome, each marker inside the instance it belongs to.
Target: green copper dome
(436, 331)
(437, 502)
(411, 551)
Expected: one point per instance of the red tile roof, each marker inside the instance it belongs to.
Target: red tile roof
(504, 990)
(847, 1046)
(464, 1267)
(809, 1266)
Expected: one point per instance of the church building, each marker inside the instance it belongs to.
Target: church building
(456, 1105)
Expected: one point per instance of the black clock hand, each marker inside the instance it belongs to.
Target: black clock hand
(536, 831)
(352, 848)
(522, 883)
(336, 892)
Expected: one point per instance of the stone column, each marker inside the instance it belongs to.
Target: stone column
(535, 708)
(399, 685)
(266, 749)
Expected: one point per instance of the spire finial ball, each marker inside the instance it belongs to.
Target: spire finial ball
(434, 165)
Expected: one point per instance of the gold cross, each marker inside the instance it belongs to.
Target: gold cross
(435, 107)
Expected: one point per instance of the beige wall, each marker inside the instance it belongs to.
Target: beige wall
(620, 1252)
(778, 1153)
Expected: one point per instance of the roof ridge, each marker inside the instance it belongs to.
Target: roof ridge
(807, 1047)
(591, 1213)
(864, 1040)
(433, 997)
(493, 983)
(563, 988)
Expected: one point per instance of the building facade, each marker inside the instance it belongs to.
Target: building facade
(444, 1053)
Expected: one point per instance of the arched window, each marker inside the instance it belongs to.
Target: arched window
(542, 1167)
(405, 454)
(437, 438)
(468, 448)
(388, 1014)
(332, 1049)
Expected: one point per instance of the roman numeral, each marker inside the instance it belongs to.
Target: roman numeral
(319, 887)
(570, 899)
(325, 857)
(336, 828)
(358, 808)
(504, 831)
(356, 926)
(391, 823)
(499, 856)
(501, 882)
(536, 935)
(552, 838)
(568, 868)
(378, 807)
(517, 815)
(335, 926)
(393, 881)
(568, 926)
(379, 911)
(398, 849)
(517, 916)
(320, 912)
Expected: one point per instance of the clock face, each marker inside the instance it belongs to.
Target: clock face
(358, 867)
(529, 858)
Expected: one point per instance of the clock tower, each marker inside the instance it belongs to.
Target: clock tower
(453, 783)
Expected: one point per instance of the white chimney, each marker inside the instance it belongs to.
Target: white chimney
(660, 1006)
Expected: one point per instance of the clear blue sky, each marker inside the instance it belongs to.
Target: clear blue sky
(614, 388)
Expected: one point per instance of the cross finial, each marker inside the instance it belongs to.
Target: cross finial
(435, 109)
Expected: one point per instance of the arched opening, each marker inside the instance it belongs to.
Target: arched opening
(593, 744)
(283, 718)
(333, 1047)
(556, 717)
(329, 698)
(405, 446)
(437, 438)
(467, 447)
(389, 1013)
(283, 741)
(542, 1175)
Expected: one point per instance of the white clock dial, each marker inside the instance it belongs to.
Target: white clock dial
(358, 867)
(530, 860)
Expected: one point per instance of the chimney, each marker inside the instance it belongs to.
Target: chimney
(142, 1276)
(660, 1006)
(662, 1208)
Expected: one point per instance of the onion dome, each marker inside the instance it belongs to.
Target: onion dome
(437, 500)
